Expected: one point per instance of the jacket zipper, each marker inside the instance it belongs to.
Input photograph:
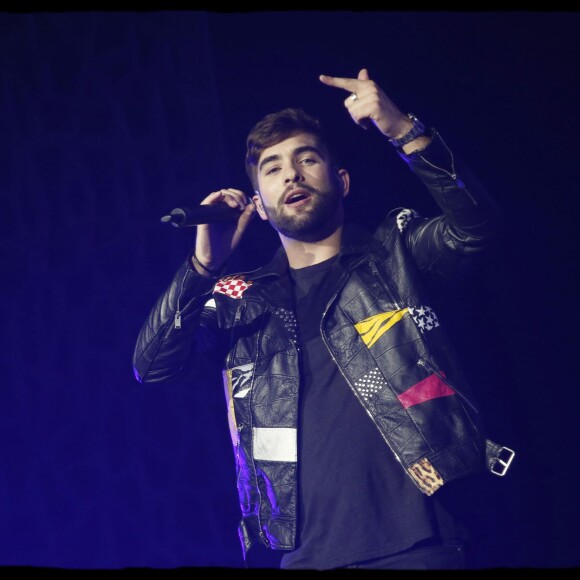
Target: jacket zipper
(232, 350)
(430, 368)
(397, 457)
(453, 174)
(422, 362)
(177, 317)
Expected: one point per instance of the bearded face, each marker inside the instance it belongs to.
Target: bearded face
(300, 191)
(306, 213)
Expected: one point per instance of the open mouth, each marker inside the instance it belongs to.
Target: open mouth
(296, 197)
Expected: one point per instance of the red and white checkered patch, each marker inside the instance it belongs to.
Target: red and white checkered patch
(232, 287)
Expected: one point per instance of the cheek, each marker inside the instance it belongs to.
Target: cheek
(323, 180)
(268, 196)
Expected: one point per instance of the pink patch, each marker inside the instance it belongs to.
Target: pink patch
(232, 287)
(429, 388)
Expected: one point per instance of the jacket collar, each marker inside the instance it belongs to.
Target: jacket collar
(356, 241)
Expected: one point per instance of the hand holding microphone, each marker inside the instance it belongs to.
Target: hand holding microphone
(221, 219)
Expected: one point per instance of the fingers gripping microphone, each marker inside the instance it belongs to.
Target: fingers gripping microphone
(187, 217)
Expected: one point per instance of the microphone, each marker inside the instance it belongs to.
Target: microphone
(187, 217)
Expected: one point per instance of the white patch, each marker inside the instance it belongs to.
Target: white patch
(404, 217)
(275, 444)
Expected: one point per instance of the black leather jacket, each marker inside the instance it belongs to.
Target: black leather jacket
(381, 329)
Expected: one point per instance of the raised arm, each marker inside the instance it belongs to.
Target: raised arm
(368, 105)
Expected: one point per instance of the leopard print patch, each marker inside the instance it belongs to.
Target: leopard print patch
(426, 476)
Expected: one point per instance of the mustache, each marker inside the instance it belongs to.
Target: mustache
(301, 186)
(308, 188)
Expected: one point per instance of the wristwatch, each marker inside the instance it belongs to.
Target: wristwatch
(416, 130)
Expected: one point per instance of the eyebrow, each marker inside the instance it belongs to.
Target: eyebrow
(297, 151)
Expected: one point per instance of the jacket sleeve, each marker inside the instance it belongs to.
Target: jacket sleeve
(182, 321)
(470, 218)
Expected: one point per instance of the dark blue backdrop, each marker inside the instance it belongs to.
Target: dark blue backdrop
(111, 119)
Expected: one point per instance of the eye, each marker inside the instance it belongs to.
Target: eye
(271, 170)
(308, 161)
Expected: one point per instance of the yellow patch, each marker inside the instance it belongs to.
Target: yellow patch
(372, 328)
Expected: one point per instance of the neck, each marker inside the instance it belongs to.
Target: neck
(302, 254)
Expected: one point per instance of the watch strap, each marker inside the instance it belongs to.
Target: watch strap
(416, 130)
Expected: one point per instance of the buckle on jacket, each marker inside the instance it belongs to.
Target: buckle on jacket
(503, 460)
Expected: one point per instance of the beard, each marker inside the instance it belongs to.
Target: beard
(312, 224)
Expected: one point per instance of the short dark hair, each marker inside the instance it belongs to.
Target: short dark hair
(277, 127)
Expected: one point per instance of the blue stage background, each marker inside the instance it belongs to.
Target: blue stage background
(111, 119)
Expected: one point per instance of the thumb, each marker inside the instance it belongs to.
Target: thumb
(363, 75)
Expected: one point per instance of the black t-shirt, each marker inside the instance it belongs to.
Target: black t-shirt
(355, 501)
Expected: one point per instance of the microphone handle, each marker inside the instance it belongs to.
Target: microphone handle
(186, 217)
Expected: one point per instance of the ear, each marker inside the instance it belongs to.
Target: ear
(259, 206)
(343, 179)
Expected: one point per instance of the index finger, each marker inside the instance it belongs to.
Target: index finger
(339, 82)
(344, 83)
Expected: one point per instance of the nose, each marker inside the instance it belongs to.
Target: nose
(293, 175)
